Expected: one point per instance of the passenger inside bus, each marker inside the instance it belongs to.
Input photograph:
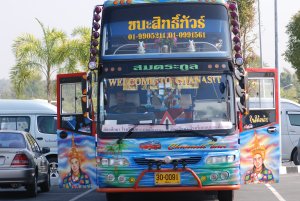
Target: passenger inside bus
(119, 103)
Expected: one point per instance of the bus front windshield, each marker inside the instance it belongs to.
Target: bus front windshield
(191, 102)
(158, 30)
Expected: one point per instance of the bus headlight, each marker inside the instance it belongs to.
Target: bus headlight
(118, 162)
(220, 159)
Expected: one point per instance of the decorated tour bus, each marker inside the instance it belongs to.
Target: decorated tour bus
(166, 105)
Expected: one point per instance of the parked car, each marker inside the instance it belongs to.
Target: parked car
(290, 130)
(298, 150)
(22, 162)
(37, 117)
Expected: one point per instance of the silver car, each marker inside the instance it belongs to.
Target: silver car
(22, 163)
(298, 151)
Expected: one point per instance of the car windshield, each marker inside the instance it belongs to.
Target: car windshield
(155, 31)
(12, 140)
(167, 103)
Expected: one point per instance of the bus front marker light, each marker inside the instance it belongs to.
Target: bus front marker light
(236, 39)
(224, 175)
(235, 30)
(237, 48)
(92, 65)
(233, 14)
(98, 9)
(239, 61)
(96, 26)
(110, 177)
(95, 43)
(232, 6)
(214, 177)
(96, 34)
(97, 17)
(238, 55)
(94, 51)
(234, 23)
(121, 179)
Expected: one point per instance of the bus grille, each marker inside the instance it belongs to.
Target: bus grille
(187, 161)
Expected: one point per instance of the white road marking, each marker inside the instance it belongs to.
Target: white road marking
(83, 194)
(279, 197)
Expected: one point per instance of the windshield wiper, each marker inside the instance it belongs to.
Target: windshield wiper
(198, 133)
(130, 131)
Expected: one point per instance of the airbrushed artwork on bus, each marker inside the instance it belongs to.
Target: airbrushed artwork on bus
(260, 156)
(77, 161)
(122, 163)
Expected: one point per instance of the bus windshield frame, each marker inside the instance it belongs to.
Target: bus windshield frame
(167, 104)
(190, 30)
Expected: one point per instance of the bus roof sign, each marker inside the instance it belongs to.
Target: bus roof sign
(110, 3)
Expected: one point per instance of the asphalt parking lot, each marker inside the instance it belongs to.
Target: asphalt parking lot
(286, 190)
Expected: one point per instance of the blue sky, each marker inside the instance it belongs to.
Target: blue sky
(18, 16)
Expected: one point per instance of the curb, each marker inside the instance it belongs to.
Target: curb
(289, 169)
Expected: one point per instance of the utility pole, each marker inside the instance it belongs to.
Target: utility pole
(276, 38)
(259, 28)
(279, 72)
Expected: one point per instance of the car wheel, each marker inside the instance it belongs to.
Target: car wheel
(225, 195)
(295, 158)
(45, 186)
(53, 166)
(113, 196)
(32, 188)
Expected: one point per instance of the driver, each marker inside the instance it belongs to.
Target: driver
(122, 105)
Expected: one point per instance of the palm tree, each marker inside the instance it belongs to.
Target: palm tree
(42, 56)
(78, 50)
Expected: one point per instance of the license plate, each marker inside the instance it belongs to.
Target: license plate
(2, 159)
(167, 178)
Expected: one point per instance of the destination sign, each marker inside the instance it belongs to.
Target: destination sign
(164, 66)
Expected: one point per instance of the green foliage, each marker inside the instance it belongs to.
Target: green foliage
(289, 86)
(78, 48)
(38, 58)
(292, 54)
(247, 23)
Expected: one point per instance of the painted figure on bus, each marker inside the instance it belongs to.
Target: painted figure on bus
(259, 173)
(76, 178)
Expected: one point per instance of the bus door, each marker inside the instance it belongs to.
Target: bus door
(75, 130)
(260, 134)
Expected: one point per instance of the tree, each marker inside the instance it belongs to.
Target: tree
(38, 56)
(292, 54)
(247, 23)
(78, 50)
